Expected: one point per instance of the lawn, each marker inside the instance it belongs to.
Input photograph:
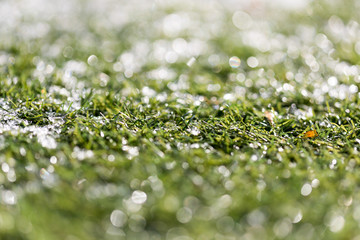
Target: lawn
(179, 120)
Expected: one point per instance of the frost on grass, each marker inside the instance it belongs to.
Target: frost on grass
(12, 124)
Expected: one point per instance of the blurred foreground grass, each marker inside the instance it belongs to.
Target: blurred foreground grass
(173, 120)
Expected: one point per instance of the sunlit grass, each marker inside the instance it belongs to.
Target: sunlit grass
(189, 121)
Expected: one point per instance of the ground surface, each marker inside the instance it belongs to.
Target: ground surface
(179, 120)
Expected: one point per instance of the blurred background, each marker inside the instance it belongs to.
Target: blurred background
(156, 46)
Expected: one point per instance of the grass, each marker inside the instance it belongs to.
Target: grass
(133, 143)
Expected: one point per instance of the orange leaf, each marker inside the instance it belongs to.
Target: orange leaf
(270, 117)
(311, 134)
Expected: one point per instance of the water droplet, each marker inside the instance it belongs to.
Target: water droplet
(256, 218)
(22, 151)
(234, 62)
(191, 62)
(252, 62)
(282, 228)
(44, 174)
(184, 215)
(118, 218)
(332, 81)
(337, 223)
(138, 197)
(306, 189)
(298, 217)
(242, 20)
(5, 167)
(9, 197)
(53, 159)
(315, 183)
(195, 131)
(111, 158)
(92, 60)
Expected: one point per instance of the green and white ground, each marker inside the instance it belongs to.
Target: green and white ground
(179, 119)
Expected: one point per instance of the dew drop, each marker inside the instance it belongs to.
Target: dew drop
(306, 189)
(234, 62)
(138, 197)
(118, 218)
